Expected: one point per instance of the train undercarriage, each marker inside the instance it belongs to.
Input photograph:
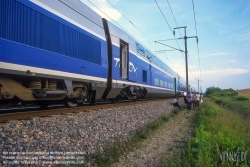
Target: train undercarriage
(16, 89)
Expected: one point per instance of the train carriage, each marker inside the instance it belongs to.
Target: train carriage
(62, 50)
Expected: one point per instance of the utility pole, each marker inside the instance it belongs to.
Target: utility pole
(185, 39)
(198, 83)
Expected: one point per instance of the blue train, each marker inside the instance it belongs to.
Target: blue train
(61, 50)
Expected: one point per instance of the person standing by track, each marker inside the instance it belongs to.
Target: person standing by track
(198, 98)
(189, 101)
(194, 100)
(185, 94)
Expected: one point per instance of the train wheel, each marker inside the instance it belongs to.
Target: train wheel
(71, 103)
(135, 98)
(44, 104)
(114, 100)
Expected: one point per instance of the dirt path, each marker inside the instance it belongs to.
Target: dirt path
(173, 134)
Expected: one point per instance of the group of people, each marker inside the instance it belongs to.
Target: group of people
(191, 99)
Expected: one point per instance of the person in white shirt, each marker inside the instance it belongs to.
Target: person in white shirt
(185, 94)
(198, 97)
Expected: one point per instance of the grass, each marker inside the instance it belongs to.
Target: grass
(240, 104)
(218, 131)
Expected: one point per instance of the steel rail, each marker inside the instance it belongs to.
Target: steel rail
(64, 111)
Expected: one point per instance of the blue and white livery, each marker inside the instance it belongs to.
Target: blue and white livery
(61, 50)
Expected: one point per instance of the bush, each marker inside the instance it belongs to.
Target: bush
(218, 100)
(212, 90)
(242, 98)
(215, 91)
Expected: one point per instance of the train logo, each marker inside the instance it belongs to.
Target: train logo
(131, 65)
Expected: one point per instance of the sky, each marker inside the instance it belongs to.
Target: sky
(222, 57)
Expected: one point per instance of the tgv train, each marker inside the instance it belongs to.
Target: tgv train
(61, 50)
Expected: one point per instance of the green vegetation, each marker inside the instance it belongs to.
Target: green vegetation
(215, 91)
(228, 98)
(222, 136)
(242, 98)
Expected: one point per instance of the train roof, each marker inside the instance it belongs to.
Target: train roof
(86, 18)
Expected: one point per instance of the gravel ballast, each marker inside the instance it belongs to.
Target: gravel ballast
(79, 132)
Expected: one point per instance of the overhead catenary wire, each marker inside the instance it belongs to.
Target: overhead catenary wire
(109, 17)
(197, 35)
(168, 25)
(171, 30)
(181, 36)
(135, 26)
(192, 72)
(174, 18)
(130, 22)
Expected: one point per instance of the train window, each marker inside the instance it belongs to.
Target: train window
(148, 54)
(166, 84)
(169, 85)
(144, 76)
(161, 83)
(156, 81)
(172, 86)
(140, 49)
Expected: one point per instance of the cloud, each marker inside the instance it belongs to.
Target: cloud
(212, 75)
(233, 61)
(220, 73)
(104, 9)
(112, 13)
(217, 54)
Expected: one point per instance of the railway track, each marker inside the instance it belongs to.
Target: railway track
(7, 117)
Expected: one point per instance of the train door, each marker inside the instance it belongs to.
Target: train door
(123, 60)
(177, 85)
